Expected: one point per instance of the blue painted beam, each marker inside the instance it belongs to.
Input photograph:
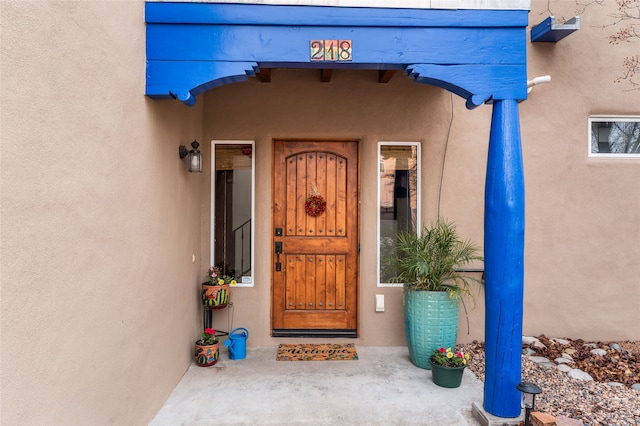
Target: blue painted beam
(183, 79)
(192, 47)
(471, 81)
(504, 262)
(370, 44)
(260, 14)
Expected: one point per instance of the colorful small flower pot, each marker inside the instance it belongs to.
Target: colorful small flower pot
(215, 296)
(206, 355)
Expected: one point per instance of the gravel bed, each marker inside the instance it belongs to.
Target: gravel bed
(597, 402)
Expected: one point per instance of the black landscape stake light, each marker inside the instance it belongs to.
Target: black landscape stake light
(195, 157)
(529, 392)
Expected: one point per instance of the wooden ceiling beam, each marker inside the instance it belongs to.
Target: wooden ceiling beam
(385, 75)
(264, 75)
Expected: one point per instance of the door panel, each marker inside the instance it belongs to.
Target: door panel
(315, 278)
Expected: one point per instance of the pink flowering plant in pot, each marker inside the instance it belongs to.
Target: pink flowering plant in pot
(217, 278)
(216, 291)
(448, 358)
(448, 367)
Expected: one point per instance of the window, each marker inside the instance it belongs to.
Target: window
(232, 208)
(614, 136)
(398, 200)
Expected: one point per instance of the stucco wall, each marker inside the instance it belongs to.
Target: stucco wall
(99, 220)
(583, 231)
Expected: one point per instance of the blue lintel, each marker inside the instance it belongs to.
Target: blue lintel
(195, 47)
(549, 31)
(268, 14)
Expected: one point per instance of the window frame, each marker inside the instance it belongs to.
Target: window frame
(418, 201)
(214, 142)
(609, 118)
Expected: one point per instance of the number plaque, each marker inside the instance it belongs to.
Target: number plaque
(330, 50)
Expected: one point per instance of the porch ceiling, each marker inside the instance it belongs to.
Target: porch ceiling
(192, 47)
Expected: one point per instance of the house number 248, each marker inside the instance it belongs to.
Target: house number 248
(330, 50)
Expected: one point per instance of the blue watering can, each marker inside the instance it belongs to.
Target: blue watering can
(237, 343)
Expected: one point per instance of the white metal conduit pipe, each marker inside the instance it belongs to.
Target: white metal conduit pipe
(537, 80)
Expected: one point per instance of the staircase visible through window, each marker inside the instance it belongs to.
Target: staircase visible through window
(232, 183)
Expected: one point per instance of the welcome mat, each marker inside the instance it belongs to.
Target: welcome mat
(317, 352)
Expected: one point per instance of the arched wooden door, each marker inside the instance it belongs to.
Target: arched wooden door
(315, 254)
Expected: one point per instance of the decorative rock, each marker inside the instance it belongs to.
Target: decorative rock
(615, 384)
(542, 419)
(538, 359)
(591, 345)
(570, 351)
(563, 360)
(561, 341)
(526, 340)
(579, 375)
(636, 386)
(615, 347)
(567, 421)
(528, 351)
(564, 368)
(538, 345)
(600, 352)
(565, 355)
(547, 365)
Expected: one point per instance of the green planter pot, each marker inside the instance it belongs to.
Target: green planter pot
(447, 377)
(431, 323)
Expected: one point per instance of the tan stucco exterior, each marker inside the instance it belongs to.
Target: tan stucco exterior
(100, 221)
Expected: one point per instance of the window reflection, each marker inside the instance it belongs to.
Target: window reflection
(398, 199)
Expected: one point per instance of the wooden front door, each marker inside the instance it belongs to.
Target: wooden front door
(315, 252)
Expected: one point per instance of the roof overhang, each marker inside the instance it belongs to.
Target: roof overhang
(479, 54)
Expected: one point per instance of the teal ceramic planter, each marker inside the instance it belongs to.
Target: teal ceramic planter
(447, 377)
(431, 322)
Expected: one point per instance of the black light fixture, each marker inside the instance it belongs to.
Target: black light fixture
(195, 157)
(529, 392)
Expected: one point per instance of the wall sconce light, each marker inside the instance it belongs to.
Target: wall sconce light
(529, 392)
(195, 157)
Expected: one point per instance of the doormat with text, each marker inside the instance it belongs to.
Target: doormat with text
(317, 352)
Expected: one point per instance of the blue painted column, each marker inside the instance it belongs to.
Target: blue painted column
(504, 262)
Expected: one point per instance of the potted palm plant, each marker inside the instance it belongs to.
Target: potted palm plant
(429, 267)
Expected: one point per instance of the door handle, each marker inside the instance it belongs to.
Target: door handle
(278, 252)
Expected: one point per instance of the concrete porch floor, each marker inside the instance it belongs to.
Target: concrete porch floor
(382, 387)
